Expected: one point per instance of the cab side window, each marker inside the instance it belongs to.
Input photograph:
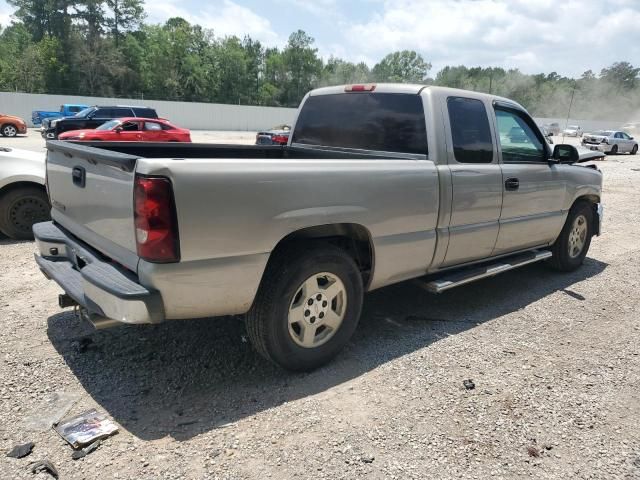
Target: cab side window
(130, 126)
(152, 126)
(518, 140)
(470, 130)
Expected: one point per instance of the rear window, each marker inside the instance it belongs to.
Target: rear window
(386, 122)
(470, 130)
(145, 112)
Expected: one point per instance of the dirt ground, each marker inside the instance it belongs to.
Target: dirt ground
(555, 359)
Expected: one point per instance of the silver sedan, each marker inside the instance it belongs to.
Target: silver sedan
(610, 141)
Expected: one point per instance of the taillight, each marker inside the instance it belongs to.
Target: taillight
(370, 87)
(155, 220)
(281, 139)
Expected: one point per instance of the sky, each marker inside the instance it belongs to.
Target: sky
(568, 37)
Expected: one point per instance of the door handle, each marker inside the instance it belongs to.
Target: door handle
(512, 184)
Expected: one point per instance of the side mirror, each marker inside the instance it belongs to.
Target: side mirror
(118, 129)
(565, 153)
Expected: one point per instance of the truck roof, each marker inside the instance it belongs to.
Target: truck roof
(414, 88)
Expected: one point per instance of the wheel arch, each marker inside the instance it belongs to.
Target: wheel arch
(354, 238)
(17, 185)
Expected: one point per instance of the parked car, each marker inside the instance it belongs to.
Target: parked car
(610, 142)
(131, 130)
(23, 198)
(277, 136)
(144, 233)
(92, 117)
(553, 128)
(10, 125)
(572, 131)
(66, 110)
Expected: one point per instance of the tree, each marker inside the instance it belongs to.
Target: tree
(621, 74)
(303, 67)
(126, 15)
(404, 67)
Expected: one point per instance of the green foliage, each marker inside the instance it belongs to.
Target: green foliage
(104, 48)
(405, 66)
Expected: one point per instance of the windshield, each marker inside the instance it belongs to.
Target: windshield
(109, 125)
(604, 133)
(84, 113)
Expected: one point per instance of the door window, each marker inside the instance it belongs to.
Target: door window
(518, 140)
(130, 126)
(470, 130)
(152, 126)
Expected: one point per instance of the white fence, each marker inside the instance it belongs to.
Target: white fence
(196, 116)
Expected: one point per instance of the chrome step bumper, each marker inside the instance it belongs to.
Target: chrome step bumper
(105, 290)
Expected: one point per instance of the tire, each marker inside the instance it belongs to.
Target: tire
(20, 209)
(634, 150)
(281, 312)
(9, 130)
(572, 245)
(614, 150)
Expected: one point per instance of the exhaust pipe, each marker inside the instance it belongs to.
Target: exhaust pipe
(99, 322)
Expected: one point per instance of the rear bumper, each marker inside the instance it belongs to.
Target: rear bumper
(104, 289)
(599, 147)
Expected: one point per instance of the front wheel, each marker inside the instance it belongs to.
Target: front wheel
(9, 130)
(307, 308)
(614, 150)
(20, 209)
(571, 247)
(634, 150)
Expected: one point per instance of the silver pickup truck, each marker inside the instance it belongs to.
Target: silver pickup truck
(378, 184)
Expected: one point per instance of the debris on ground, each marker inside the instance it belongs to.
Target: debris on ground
(49, 412)
(367, 458)
(44, 466)
(21, 451)
(86, 428)
(533, 451)
(468, 384)
(78, 454)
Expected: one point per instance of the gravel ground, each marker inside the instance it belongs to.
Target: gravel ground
(554, 357)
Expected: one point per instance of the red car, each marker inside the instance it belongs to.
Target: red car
(131, 130)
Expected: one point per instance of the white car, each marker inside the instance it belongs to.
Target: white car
(23, 197)
(611, 142)
(572, 131)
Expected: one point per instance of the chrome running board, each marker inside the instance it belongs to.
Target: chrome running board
(458, 278)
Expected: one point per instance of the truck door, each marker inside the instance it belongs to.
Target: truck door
(534, 190)
(476, 181)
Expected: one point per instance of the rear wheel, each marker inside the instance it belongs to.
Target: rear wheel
(9, 130)
(307, 308)
(571, 247)
(20, 209)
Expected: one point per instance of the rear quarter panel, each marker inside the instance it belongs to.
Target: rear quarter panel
(233, 213)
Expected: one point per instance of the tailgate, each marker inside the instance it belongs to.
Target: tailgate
(91, 193)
